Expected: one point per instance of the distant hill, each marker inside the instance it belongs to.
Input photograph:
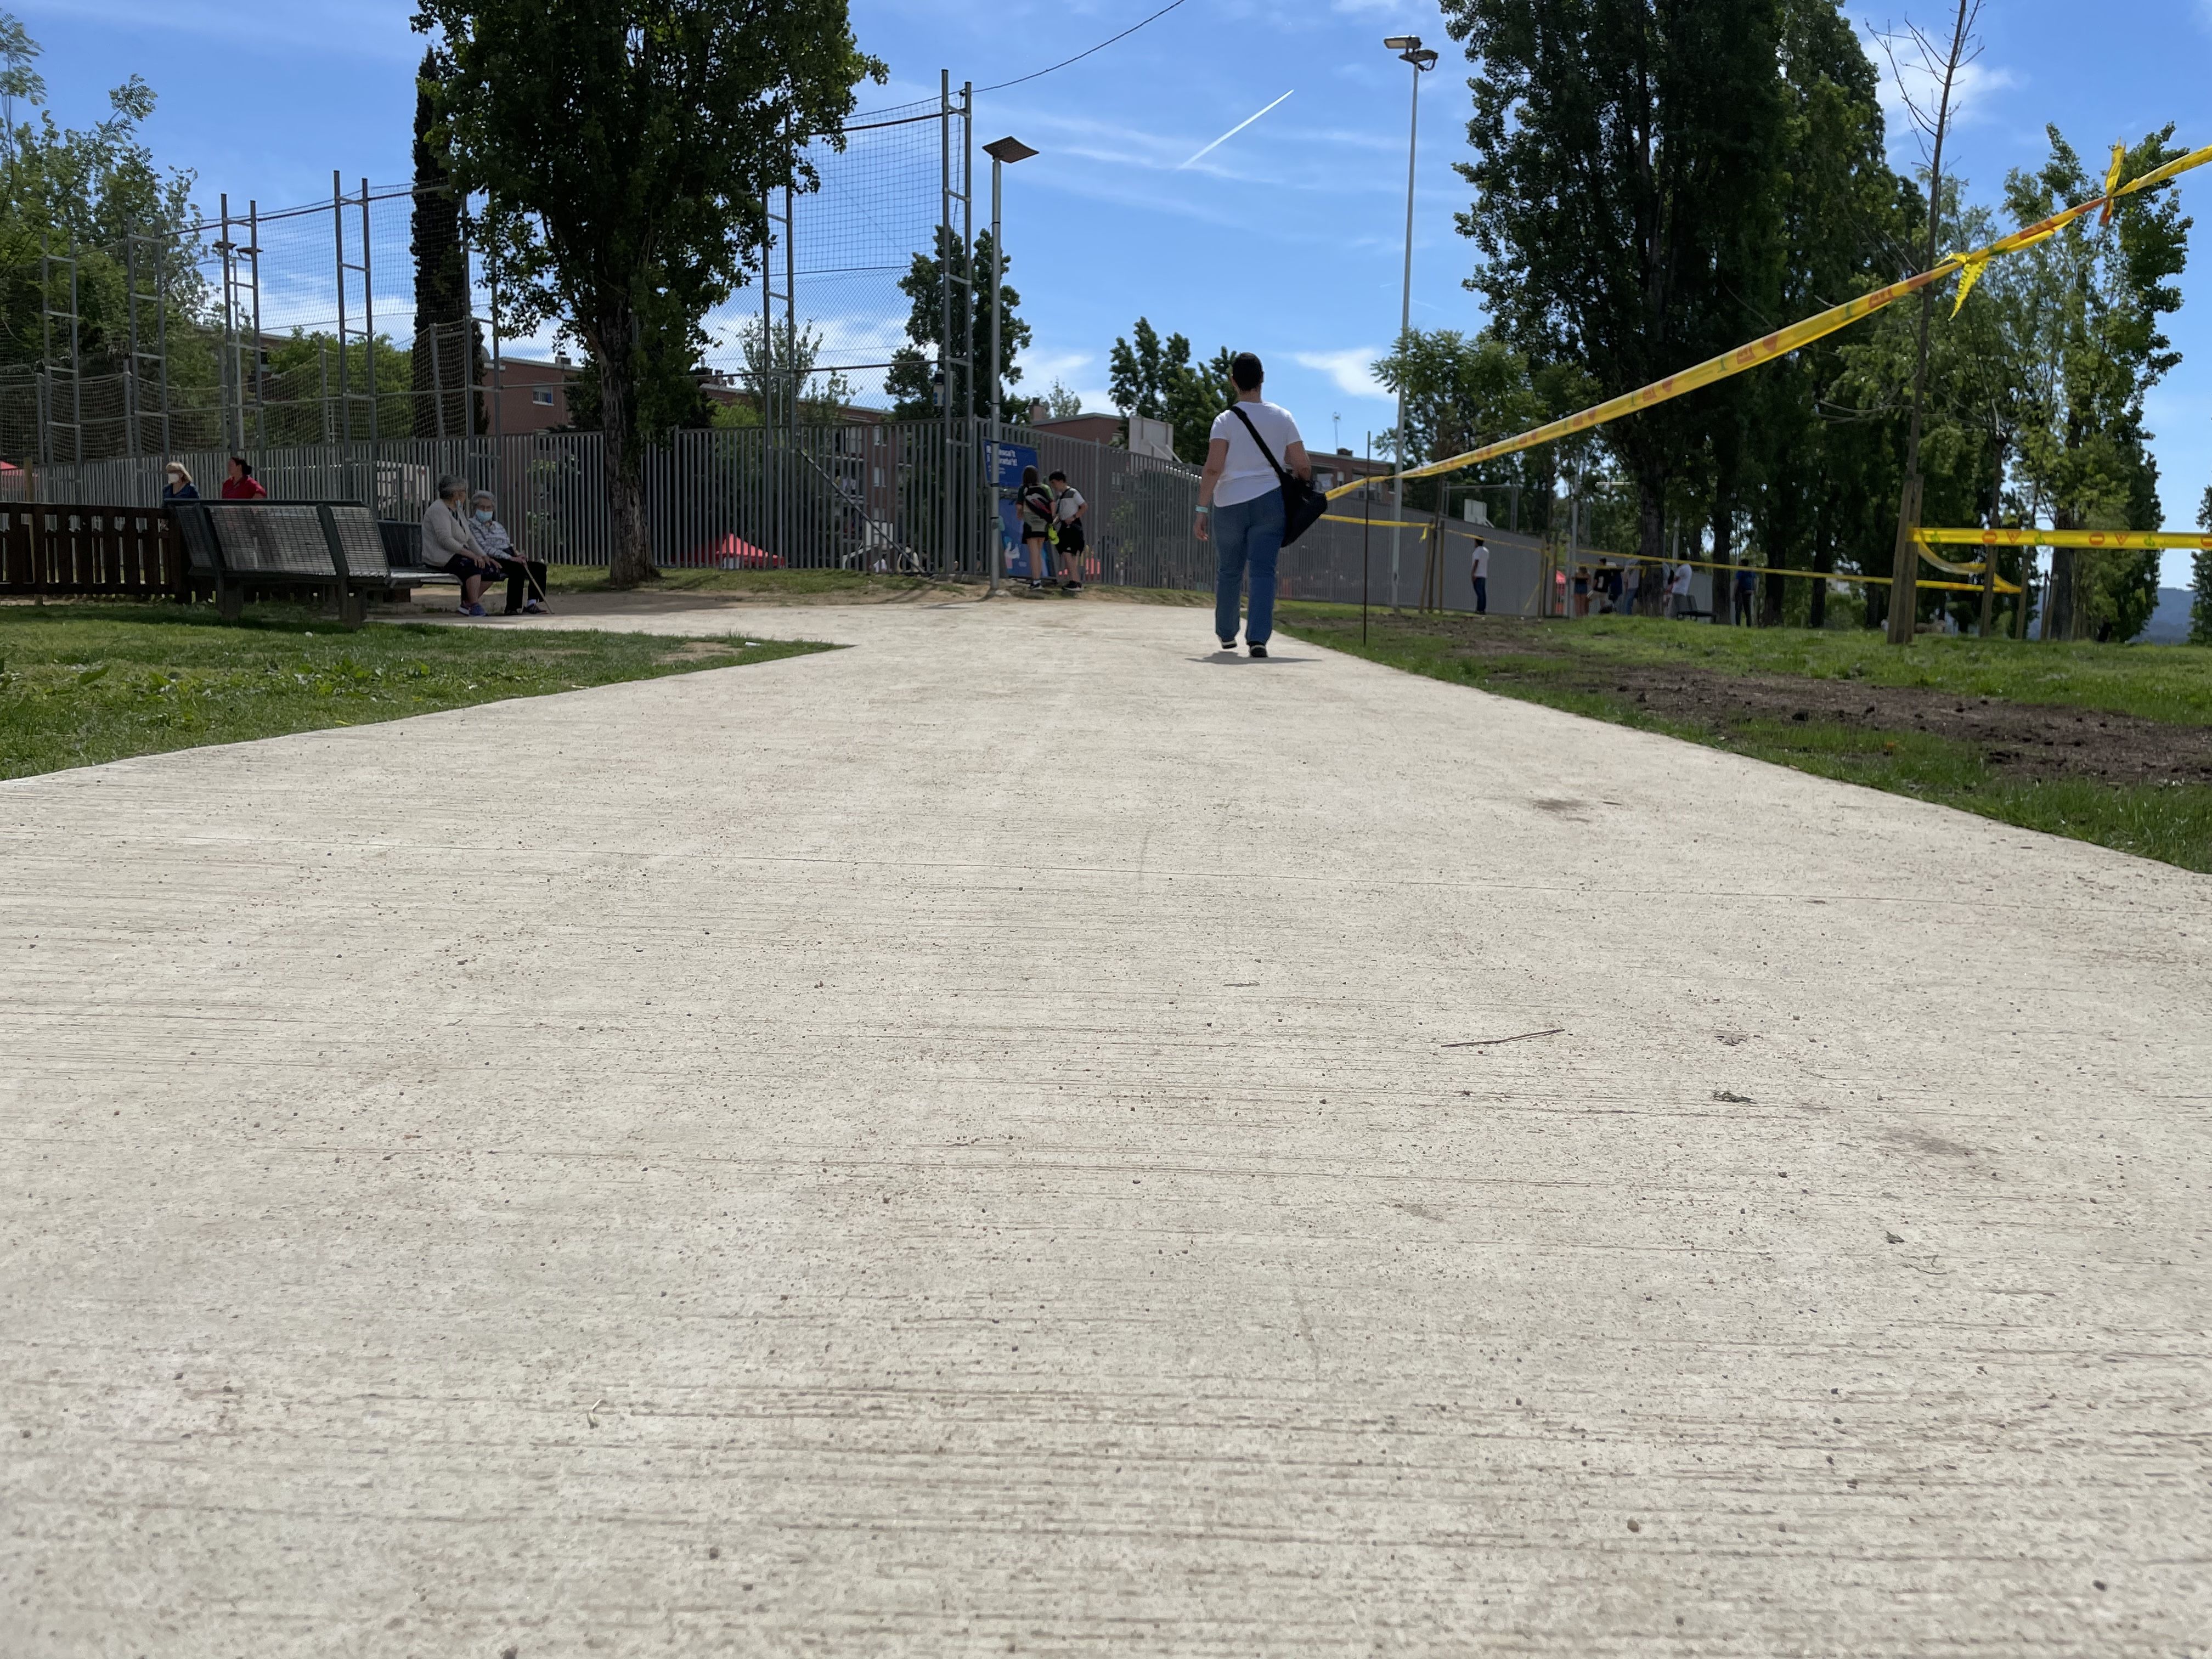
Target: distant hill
(2169, 624)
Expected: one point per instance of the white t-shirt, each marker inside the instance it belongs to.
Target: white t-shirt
(1068, 503)
(1481, 562)
(1248, 477)
(1681, 582)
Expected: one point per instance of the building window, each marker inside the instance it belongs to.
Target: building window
(541, 394)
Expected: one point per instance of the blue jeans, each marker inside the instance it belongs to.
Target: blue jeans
(1250, 533)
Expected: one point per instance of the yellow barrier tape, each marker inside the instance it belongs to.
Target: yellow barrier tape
(1421, 524)
(1784, 341)
(2141, 539)
(1946, 564)
(1624, 560)
(1970, 272)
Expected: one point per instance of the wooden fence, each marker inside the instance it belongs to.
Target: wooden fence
(127, 551)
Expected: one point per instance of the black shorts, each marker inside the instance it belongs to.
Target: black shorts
(1071, 535)
(463, 566)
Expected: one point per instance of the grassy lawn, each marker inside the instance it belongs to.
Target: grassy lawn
(1908, 728)
(82, 683)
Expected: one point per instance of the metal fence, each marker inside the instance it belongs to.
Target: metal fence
(368, 316)
(864, 495)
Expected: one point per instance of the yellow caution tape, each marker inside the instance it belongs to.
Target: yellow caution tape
(2140, 539)
(1956, 569)
(1624, 560)
(1784, 341)
(1970, 272)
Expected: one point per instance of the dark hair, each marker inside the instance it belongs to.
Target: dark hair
(1055, 477)
(1245, 370)
(1029, 476)
(245, 467)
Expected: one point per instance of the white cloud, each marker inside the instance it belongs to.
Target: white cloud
(1352, 370)
(1908, 73)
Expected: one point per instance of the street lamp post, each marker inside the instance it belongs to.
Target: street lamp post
(1002, 152)
(1410, 51)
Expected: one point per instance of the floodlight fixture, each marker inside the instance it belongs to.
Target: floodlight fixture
(1402, 43)
(1008, 150)
(1424, 59)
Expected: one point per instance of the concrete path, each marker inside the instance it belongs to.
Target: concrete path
(956, 1147)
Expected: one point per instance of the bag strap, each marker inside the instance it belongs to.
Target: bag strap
(1281, 477)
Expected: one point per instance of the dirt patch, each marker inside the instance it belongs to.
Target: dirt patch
(2025, 742)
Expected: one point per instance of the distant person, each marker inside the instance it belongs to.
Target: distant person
(241, 485)
(1240, 502)
(1609, 585)
(1746, 590)
(526, 577)
(1582, 590)
(1479, 573)
(1034, 502)
(1678, 592)
(1631, 583)
(177, 484)
(1068, 507)
(447, 546)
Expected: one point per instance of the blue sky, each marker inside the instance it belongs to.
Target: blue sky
(1286, 241)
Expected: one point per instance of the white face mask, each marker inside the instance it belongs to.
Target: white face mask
(483, 515)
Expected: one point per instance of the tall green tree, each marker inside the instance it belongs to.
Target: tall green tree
(1463, 391)
(1845, 216)
(2099, 345)
(1161, 380)
(912, 380)
(2200, 572)
(98, 192)
(627, 149)
(448, 357)
(1625, 154)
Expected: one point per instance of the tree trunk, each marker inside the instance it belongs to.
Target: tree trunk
(2061, 615)
(1650, 515)
(631, 562)
(1824, 559)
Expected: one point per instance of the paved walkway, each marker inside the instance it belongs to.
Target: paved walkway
(956, 1147)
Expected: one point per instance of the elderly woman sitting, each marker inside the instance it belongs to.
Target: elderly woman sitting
(448, 546)
(523, 576)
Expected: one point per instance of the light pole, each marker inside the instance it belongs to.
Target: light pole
(1002, 152)
(1410, 51)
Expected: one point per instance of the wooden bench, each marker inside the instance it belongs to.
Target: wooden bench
(80, 549)
(258, 548)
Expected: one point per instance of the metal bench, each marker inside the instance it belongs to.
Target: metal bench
(403, 552)
(332, 548)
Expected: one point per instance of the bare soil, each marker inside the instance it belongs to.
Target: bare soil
(2027, 742)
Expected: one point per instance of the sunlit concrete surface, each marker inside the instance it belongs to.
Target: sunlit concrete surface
(955, 1146)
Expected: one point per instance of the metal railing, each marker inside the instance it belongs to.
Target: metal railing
(867, 496)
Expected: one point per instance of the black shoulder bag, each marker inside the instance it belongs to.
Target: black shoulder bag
(1303, 505)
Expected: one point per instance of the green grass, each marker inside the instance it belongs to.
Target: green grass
(83, 684)
(754, 584)
(2171, 823)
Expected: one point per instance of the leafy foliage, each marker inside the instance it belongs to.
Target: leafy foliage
(627, 151)
(1157, 379)
(914, 366)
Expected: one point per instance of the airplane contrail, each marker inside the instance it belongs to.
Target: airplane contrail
(1233, 132)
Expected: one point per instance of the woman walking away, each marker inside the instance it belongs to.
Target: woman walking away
(1241, 497)
(178, 485)
(1034, 501)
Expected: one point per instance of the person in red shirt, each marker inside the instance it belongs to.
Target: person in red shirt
(241, 485)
